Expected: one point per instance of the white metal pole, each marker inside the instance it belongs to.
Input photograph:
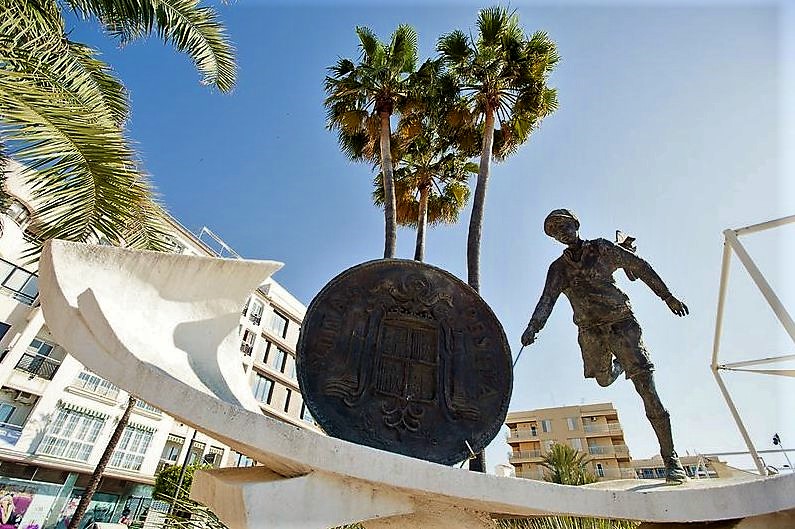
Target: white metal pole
(765, 225)
(724, 278)
(747, 438)
(762, 284)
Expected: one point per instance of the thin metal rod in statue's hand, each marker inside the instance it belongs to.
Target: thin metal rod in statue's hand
(517, 356)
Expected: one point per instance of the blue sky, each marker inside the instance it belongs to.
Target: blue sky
(672, 127)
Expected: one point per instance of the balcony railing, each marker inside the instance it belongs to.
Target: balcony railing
(602, 428)
(523, 454)
(255, 318)
(522, 434)
(38, 365)
(21, 284)
(621, 449)
(246, 348)
(144, 406)
(601, 450)
(10, 433)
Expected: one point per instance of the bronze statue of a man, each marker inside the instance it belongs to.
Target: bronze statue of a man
(609, 335)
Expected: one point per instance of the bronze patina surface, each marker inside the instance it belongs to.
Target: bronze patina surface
(403, 356)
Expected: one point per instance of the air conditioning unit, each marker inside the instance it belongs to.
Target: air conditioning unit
(24, 397)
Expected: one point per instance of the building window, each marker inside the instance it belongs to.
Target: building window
(195, 452)
(268, 346)
(287, 400)
(245, 307)
(255, 312)
(533, 430)
(305, 415)
(40, 347)
(6, 411)
(21, 284)
(97, 385)
(546, 426)
(573, 423)
(600, 470)
(214, 456)
(576, 444)
(247, 345)
(172, 448)
(19, 213)
(132, 447)
(239, 460)
(71, 434)
(3, 329)
(280, 361)
(262, 388)
(279, 324)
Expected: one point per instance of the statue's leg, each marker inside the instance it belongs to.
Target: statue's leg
(597, 356)
(631, 352)
(660, 421)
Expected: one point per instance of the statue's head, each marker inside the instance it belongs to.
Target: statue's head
(563, 226)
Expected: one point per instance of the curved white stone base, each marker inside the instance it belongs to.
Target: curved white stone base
(164, 327)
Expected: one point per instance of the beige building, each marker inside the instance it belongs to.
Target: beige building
(697, 467)
(591, 428)
(56, 417)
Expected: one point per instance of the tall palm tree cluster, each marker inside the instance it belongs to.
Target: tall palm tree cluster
(63, 111)
(481, 96)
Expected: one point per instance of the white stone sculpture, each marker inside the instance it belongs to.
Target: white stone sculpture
(164, 328)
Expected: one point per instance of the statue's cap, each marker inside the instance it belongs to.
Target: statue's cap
(559, 214)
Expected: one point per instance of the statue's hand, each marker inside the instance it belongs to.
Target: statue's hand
(529, 335)
(676, 306)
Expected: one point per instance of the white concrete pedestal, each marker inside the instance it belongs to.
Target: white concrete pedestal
(164, 328)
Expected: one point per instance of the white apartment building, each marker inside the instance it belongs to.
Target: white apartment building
(56, 417)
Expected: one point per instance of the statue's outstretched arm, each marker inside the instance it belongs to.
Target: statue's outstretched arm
(643, 270)
(549, 296)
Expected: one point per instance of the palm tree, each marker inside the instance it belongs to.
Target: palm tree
(62, 111)
(566, 465)
(431, 169)
(93, 485)
(430, 189)
(503, 75)
(361, 99)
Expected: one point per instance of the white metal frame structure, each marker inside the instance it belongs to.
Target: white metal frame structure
(732, 244)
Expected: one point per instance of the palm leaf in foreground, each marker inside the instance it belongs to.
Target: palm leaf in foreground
(182, 23)
(62, 114)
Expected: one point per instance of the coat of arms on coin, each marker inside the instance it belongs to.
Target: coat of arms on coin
(403, 356)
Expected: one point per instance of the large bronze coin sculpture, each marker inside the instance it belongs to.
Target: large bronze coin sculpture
(403, 356)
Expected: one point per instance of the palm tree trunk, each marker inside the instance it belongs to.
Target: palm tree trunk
(85, 500)
(422, 223)
(476, 220)
(390, 222)
(478, 463)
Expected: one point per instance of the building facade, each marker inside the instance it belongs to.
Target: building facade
(593, 429)
(56, 417)
(697, 467)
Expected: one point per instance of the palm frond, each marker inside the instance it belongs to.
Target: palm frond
(454, 48)
(493, 23)
(403, 49)
(368, 44)
(182, 23)
(78, 162)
